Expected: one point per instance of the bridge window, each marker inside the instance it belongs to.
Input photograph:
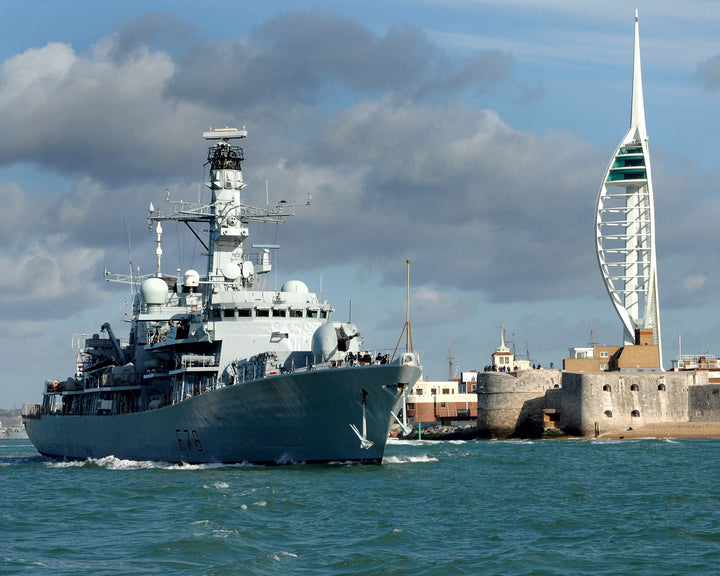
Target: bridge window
(279, 312)
(296, 313)
(244, 312)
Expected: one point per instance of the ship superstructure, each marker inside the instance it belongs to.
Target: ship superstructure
(215, 369)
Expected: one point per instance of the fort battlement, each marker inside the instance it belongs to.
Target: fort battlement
(531, 403)
(511, 403)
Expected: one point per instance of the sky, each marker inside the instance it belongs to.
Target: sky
(467, 136)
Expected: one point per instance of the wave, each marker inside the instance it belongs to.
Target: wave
(114, 463)
(408, 459)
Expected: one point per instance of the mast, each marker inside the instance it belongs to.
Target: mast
(625, 224)
(407, 330)
(230, 266)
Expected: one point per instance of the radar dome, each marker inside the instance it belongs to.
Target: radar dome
(295, 286)
(231, 271)
(191, 279)
(154, 291)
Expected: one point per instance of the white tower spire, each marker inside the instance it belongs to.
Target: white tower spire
(625, 224)
(637, 119)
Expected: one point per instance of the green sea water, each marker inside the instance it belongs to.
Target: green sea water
(633, 507)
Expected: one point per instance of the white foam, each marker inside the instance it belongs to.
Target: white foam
(113, 463)
(279, 556)
(408, 459)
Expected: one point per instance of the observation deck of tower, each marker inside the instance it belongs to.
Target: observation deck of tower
(625, 224)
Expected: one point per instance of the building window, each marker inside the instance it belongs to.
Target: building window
(474, 387)
(446, 391)
(607, 388)
(442, 404)
(608, 413)
(635, 414)
(604, 367)
(604, 354)
(418, 392)
(661, 387)
(462, 388)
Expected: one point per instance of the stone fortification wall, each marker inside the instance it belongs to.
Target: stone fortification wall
(704, 403)
(622, 400)
(511, 404)
(581, 403)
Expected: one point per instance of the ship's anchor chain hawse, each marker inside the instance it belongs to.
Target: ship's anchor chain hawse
(364, 442)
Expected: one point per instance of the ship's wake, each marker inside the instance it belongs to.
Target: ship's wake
(113, 463)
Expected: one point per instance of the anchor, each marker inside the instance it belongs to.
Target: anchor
(404, 427)
(364, 442)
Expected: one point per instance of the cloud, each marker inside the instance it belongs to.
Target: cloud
(307, 56)
(457, 190)
(708, 73)
(92, 114)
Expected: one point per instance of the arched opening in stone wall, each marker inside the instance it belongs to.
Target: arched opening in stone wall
(635, 413)
(661, 387)
(607, 388)
(608, 413)
(634, 387)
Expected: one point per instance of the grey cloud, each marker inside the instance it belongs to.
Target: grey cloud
(298, 57)
(460, 192)
(708, 73)
(154, 30)
(122, 110)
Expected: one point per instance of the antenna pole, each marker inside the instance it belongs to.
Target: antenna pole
(406, 329)
(407, 310)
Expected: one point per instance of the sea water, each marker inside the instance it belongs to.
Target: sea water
(545, 507)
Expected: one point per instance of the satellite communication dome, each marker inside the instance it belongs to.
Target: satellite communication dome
(154, 291)
(247, 269)
(191, 279)
(295, 286)
(231, 271)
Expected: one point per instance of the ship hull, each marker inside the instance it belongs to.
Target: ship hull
(299, 417)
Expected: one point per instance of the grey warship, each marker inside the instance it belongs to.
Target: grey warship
(218, 369)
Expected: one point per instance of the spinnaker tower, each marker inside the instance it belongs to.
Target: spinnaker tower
(625, 225)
